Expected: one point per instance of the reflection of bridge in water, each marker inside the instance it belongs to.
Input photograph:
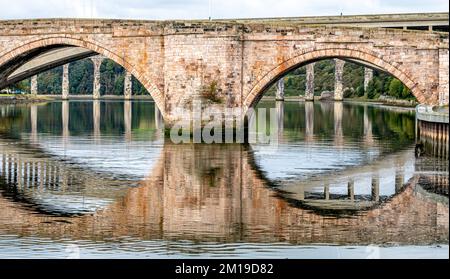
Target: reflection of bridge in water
(208, 193)
(96, 119)
(336, 107)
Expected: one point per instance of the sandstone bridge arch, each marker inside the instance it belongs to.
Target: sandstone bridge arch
(312, 55)
(176, 60)
(18, 55)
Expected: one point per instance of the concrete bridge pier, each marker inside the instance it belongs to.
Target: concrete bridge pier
(280, 90)
(65, 82)
(338, 79)
(309, 90)
(34, 85)
(128, 86)
(97, 61)
(368, 76)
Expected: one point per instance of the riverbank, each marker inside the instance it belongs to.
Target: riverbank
(22, 99)
(383, 101)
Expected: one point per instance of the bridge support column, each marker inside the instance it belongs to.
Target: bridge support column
(338, 79)
(128, 86)
(97, 60)
(65, 82)
(280, 90)
(368, 76)
(34, 85)
(309, 90)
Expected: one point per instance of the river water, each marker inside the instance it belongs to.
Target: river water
(98, 179)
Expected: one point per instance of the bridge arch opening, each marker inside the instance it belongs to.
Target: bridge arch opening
(363, 57)
(14, 58)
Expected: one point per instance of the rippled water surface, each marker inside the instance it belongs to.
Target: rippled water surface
(98, 179)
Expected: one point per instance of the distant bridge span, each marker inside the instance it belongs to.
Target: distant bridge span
(176, 60)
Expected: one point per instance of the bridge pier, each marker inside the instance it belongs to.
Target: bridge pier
(97, 61)
(338, 79)
(309, 90)
(34, 85)
(65, 82)
(280, 90)
(128, 86)
(368, 76)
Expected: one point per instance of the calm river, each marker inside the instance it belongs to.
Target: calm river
(97, 179)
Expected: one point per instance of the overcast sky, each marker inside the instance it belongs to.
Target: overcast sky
(199, 9)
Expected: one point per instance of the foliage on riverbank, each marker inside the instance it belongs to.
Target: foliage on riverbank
(382, 84)
(81, 74)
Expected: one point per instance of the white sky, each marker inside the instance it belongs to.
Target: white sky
(199, 9)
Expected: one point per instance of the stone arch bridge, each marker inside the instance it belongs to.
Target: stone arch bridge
(178, 60)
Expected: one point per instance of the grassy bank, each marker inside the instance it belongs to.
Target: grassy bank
(22, 98)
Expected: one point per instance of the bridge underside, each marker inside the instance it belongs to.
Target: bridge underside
(40, 61)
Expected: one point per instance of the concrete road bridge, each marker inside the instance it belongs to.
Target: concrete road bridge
(176, 61)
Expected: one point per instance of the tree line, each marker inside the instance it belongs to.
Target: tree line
(353, 81)
(81, 78)
(112, 78)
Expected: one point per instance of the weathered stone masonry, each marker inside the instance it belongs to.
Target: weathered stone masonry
(175, 61)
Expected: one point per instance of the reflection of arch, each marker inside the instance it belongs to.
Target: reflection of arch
(314, 54)
(94, 46)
